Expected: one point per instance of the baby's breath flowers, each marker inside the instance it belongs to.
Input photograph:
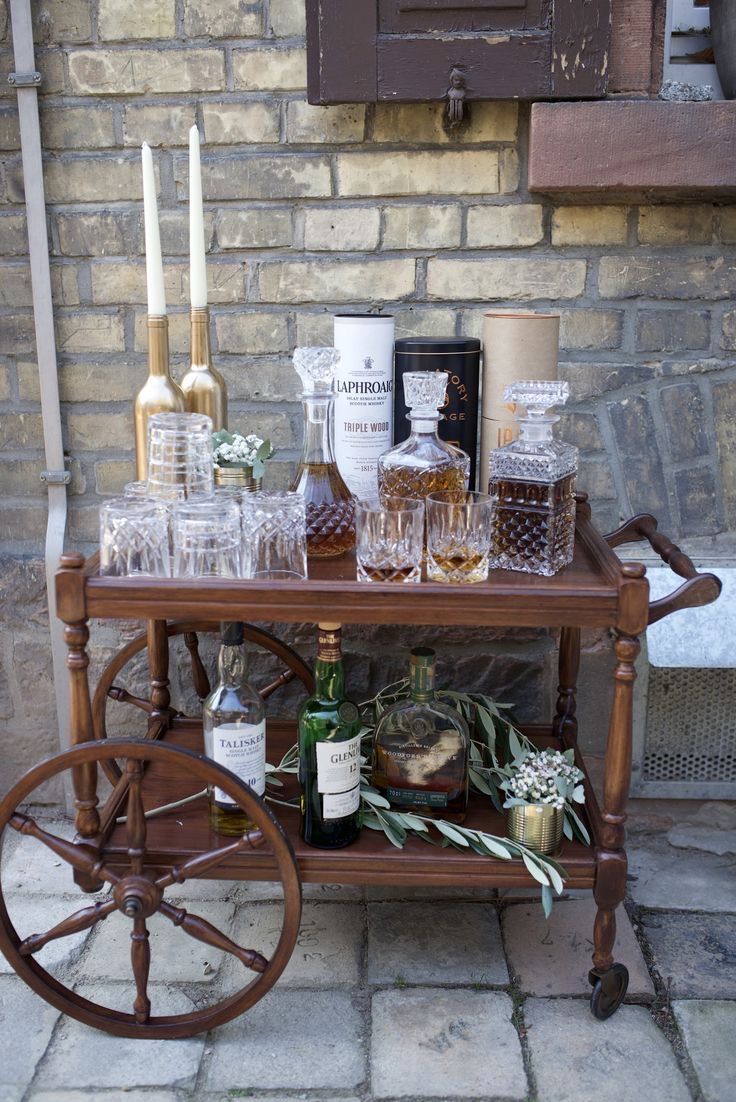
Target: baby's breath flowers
(543, 777)
(232, 449)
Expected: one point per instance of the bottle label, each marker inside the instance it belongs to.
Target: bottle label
(364, 386)
(241, 748)
(338, 766)
(328, 646)
(338, 805)
(416, 796)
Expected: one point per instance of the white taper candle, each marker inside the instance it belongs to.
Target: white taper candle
(154, 265)
(197, 271)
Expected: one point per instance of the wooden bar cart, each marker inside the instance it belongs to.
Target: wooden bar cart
(142, 860)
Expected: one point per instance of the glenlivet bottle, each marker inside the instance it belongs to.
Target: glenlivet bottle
(234, 732)
(329, 752)
(420, 749)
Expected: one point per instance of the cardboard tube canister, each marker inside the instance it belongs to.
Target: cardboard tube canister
(516, 346)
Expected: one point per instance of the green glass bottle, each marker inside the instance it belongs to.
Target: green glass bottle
(329, 752)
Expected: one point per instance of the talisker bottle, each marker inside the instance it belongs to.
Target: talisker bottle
(329, 752)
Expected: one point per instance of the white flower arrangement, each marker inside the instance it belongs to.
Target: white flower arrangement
(232, 449)
(543, 777)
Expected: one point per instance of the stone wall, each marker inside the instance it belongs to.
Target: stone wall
(309, 210)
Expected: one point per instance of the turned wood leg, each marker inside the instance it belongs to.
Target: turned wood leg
(565, 724)
(158, 665)
(610, 884)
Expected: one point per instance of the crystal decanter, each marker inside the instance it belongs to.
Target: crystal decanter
(423, 464)
(533, 486)
(330, 507)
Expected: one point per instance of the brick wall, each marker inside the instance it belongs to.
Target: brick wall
(312, 209)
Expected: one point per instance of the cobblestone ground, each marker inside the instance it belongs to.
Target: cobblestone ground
(396, 994)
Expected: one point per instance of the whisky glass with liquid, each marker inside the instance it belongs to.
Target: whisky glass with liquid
(420, 749)
(390, 539)
(423, 463)
(532, 484)
(330, 506)
(458, 536)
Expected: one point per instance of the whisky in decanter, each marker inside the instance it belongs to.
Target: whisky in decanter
(423, 464)
(532, 486)
(420, 749)
(330, 507)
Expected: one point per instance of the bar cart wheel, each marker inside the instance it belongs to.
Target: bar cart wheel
(138, 891)
(609, 991)
(153, 640)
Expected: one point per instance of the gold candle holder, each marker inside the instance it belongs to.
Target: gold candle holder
(204, 388)
(159, 393)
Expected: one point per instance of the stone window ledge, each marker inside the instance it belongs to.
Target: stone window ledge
(666, 149)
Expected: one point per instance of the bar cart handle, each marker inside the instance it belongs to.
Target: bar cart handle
(699, 589)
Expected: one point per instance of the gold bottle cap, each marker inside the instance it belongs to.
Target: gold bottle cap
(329, 627)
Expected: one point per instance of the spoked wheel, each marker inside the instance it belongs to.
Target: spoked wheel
(609, 991)
(111, 684)
(137, 893)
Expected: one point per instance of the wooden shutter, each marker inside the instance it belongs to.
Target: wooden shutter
(405, 50)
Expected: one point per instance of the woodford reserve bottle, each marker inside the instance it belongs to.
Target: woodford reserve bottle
(329, 751)
(364, 384)
(234, 732)
(420, 749)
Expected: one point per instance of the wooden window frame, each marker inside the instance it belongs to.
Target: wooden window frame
(349, 59)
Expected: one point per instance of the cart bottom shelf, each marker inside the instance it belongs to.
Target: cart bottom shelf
(183, 832)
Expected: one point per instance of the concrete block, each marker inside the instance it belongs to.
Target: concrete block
(434, 1043)
(289, 1042)
(329, 948)
(552, 956)
(694, 953)
(443, 942)
(664, 878)
(19, 1055)
(84, 1058)
(709, 1029)
(576, 1058)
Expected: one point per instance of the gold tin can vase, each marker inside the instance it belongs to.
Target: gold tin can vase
(237, 478)
(538, 826)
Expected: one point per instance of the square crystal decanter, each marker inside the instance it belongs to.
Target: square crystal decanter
(423, 463)
(532, 484)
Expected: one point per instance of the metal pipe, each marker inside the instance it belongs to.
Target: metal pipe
(26, 80)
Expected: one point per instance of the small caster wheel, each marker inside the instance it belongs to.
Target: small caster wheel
(608, 991)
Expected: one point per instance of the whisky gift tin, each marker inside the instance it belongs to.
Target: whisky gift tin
(460, 358)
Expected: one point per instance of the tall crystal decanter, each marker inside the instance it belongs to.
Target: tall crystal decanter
(532, 485)
(423, 464)
(330, 507)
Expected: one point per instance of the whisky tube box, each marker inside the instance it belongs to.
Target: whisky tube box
(516, 345)
(364, 397)
(460, 358)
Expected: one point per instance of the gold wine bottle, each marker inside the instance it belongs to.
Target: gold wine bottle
(204, 387)
(159, 393)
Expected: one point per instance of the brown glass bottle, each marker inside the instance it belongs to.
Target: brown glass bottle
(420, 750)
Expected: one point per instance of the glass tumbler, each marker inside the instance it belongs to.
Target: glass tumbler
(207, 539)
(134, 538)
(458, 536)
(180, 463)
(390, 538)
(274, 536)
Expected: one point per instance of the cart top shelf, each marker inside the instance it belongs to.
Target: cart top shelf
(596, 590)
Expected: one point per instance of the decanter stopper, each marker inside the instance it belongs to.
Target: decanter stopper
(425, 393)
(316, 368)
(537, 395)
